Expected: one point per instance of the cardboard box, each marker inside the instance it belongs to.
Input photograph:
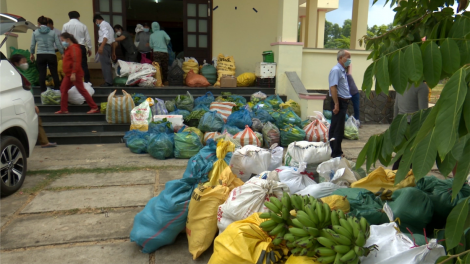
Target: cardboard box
(228, 82)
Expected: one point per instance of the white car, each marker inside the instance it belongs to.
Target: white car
(18, 118)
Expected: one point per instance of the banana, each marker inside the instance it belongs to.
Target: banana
(268, 225)
(327, 212)
(361, 239)
(356, 227)
(323, 251)
(311, 253)
(278, 229)
(265, 215)
(342, 249)
(342, 240)
(302, 203)
(334, 218)
(341, 214)
(289, 237)
(276, 218)
(327, 233)
(295, 202)
(290, 245)
(285, 213)
(337, 259)
(319, 211)
(363, 223)
(349, 256)
(304, 219)
(272, 207)
(296, 250)
(277, 241)
(326, 260)
(303, 252)
(302, 240)
(297, 223)
(354, 261)
(312, 231)
(289, 222)
(345, 224)
(276, 202)
(298, 232)
(286, 201)
(342, 231)
(310, 209)
(351, 222)
(326, 242)
(312, 200)
(359, 251)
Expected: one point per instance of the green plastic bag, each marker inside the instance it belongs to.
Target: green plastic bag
(161, 146)
(351, 131)
(31, 74)
(275, 101)
(365, 204)
(185, 102)
(288, 117)
(170, 105)
(187, 144)
(305, 123)
(120, 81)
(291, 134)
(211, 122)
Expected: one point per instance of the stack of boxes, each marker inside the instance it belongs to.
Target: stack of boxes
(266, 71)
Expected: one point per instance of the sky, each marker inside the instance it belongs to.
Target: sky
(378, 14)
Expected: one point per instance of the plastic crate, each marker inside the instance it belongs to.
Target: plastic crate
(266, 82)
(268, 56)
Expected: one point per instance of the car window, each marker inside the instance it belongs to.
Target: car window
(2, 56)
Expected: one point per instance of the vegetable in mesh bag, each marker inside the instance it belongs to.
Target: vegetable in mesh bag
(291, 134)
(170, 105)
(257, 125)
(206, 99)
(184, 113)
(351, 131)
(50, 97)
(138, 144)
(264, 116)
(258, 96)
(160, 146)
(275, 101)
(232, 130)
(187, 144)
(240, 119)
(103, 107)
(185, 102)
(289, 117)
(211, 122)
(162, 126)
(271, 134)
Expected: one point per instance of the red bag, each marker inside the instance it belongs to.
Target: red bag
(247, 137)
(144, 59)
(196, 80)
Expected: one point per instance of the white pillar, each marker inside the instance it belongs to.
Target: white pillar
(3, 6)
(288, 21)
(303, 21)
(359, 23)
(321, 28)
(312, 24)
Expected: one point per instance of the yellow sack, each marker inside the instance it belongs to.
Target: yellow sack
(190, 65)
(197, 131)
(201, 226)
(292, 104)
(246, 79)
(337, 202)
(60, 70)
(382, 182)
(245, 242)
(58, 55)
(301, 260)
(223, 147)
(158, 74)
(49, 80)
(225, 67)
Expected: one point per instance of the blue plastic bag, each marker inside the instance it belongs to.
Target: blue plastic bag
(184, 113)
(161, 146)
(201, 107)
(201, 164)
(232, 130)
(275, 101)
(187, 144)
(211, 122)
(138, 144)
(138, 98)
(264, 116)
(237, 99)
(240, 119)
(159, 107)
(263, 105)
(160, 127)
(164, 216)
(130, 134)
(206, 100)
(289, 117)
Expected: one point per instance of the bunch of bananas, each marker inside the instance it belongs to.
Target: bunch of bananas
(314, 230)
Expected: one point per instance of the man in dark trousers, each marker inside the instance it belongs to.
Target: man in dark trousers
(124, 39)
(340, 95)
(80, 32)
(105, 51)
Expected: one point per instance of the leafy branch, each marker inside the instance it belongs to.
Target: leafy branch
(454, 256)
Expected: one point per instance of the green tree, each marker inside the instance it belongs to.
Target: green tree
(346, 30)
(440, 134)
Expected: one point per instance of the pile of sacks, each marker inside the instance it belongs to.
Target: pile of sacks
(221, 196)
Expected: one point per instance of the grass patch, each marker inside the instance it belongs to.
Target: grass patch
(52, 175)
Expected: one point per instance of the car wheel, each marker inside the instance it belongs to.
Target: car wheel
(13, 165)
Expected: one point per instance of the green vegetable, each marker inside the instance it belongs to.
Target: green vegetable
(195, 115)
(50, 97)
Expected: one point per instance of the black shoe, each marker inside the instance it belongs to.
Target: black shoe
(106, 85)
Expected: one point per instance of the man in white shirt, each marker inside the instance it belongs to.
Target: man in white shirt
(105, 41)
(80, 32)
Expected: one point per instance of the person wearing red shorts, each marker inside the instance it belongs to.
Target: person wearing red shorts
(73, 74)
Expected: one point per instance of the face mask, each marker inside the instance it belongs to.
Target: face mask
(347, 63)
(65, 44)
(98, 25)
(118, 33)
(146, 29)
(24, 66)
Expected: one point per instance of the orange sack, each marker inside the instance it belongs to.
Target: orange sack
(196, 80)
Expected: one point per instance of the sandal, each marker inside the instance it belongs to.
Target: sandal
(50, 145)
(94, 111)
(62, 112)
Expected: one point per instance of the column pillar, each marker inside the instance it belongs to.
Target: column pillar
(303, 21)
(359, 23)
(321, 28)
(288, 21)
(311, 24)
(3, 6)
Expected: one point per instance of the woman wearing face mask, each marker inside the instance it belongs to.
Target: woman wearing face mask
(143, 38)
(20, 62)
(45, 39)
(124, 39)
(73, 74)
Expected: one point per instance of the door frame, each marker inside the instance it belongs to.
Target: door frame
(96, 10)
(209, 27)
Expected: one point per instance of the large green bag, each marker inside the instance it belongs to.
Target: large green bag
(187, 144)
(291, 134)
